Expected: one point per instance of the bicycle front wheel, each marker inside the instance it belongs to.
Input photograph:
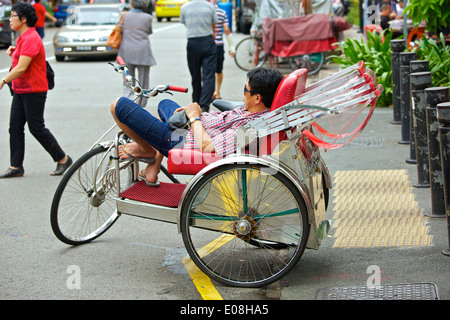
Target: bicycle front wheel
(249, 53)
(84, 205)
(244, 225)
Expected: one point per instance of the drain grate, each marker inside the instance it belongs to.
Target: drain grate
(412, 291)
(365, 142)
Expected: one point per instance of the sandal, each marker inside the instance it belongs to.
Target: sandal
(133, 157)
(142, 177)
(12, 173)
(62, 167)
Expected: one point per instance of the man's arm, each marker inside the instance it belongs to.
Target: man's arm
(202, 137)
(231, 50)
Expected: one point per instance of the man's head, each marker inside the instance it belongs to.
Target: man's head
(385, 8)
(260, 88)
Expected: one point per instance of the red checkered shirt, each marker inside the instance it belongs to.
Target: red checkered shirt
(222, 127)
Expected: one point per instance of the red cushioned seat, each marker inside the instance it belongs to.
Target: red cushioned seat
(191, 161)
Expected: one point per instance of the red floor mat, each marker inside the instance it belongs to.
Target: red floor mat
(167, 194)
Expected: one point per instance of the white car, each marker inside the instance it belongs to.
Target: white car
(86, 30)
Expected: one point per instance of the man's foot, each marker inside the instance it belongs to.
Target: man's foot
(141, 176)
(124, 154)
(134, 151)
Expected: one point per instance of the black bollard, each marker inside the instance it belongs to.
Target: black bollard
(405, 94)
(415, 66)
(397, 46)
(433, 97)
(443, 116)
(419, 82)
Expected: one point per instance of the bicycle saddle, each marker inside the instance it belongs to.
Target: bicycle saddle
(225, 105)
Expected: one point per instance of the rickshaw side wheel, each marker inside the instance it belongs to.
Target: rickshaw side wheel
(83, 206)
(250, 53)
(313, 62)
(244, 225)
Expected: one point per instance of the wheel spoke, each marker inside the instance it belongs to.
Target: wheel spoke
(84, 204)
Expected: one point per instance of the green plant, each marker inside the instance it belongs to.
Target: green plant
(353, 14)
(436, 13)
(438, 56)
(376, 54)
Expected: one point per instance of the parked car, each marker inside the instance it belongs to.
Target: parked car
(5, 30)
(106, 1)
(168, 9)
(60, 9)
(86, 30)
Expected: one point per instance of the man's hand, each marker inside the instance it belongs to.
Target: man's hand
(193, 110)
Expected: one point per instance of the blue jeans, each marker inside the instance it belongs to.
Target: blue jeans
(155, 132)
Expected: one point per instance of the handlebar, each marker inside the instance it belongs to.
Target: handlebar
(137, 89)
(120, 60)
(179, 89)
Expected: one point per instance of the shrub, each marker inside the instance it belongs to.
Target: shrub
(438, 56)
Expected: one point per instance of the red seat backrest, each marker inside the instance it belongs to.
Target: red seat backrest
(290, 87)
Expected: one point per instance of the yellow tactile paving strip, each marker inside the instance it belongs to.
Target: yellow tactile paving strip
(376, 208)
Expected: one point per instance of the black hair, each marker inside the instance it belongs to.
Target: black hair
(264, 81)
(25, 10)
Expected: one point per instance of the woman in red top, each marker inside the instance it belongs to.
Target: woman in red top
(29, 82)
(41, 13)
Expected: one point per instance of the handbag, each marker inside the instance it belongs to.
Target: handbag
(50, 76)
(178, 120)
(115, 38)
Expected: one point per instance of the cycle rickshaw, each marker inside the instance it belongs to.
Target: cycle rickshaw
(245, 219)
(301, 40)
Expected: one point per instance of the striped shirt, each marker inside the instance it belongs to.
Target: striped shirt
(198, 16)
(222, 127)
(222, 16)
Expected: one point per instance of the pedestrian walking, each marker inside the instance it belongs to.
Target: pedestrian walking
(199, 17)
(28, 76)
(135, 47)
(221, 28)
(41, 13)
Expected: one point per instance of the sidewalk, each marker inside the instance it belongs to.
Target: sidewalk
(378, 227)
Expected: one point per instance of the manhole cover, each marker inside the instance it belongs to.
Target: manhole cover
(411, 291)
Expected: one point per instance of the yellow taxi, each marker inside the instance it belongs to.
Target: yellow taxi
(168, 9)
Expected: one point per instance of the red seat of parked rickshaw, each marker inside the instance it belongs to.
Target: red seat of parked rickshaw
(191, 161)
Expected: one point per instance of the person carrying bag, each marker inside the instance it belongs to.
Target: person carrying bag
(115, 38)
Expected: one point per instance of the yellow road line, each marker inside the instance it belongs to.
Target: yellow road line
(204, 285)
(201, 281)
